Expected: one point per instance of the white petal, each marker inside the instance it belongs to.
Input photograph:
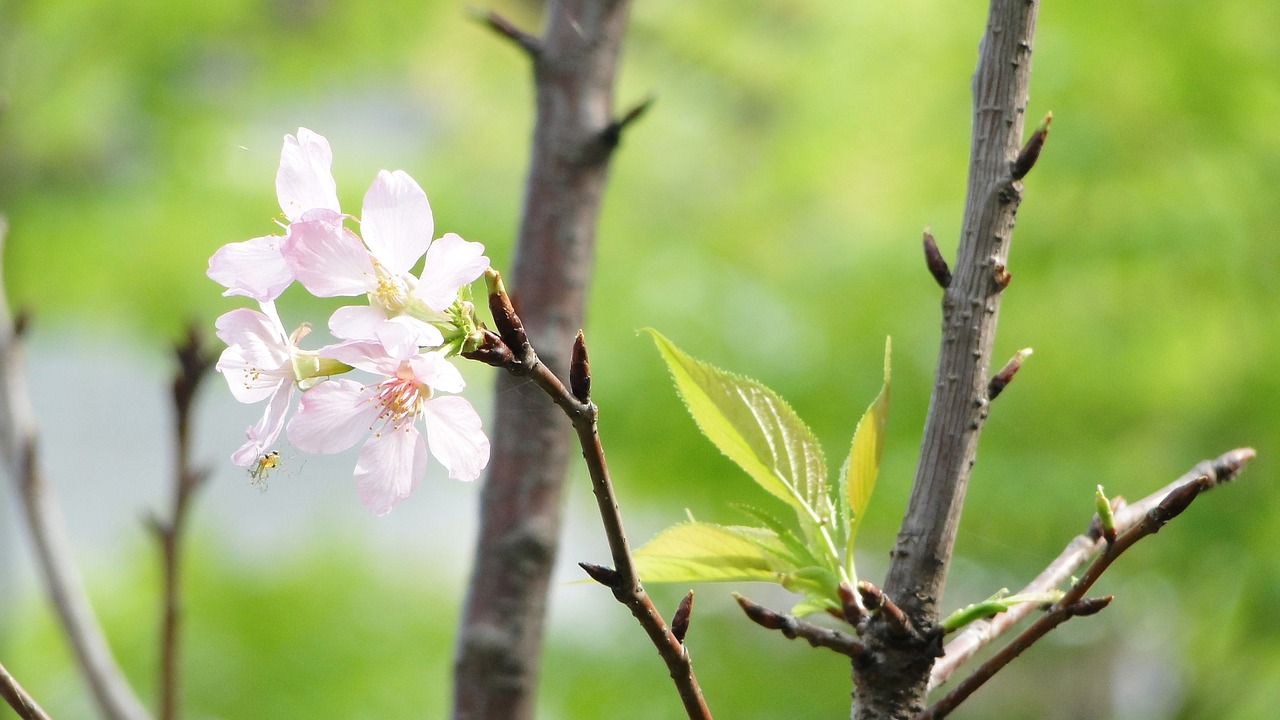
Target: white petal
(455, 437)
(254, 268)
(390, 467)
(328, 259)
(404, 336)
(332, 416)
(396, 221)
(357, 322)
(367, 355)
(451, 263)
(256, 361)
(304, 181)
(433, 370)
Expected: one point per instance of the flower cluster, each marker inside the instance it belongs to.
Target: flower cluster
(403, 336)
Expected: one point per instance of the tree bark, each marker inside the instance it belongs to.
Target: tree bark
(499, 643)
(892, 682)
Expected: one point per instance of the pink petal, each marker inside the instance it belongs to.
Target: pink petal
(332, 416)
(396, 221)
(367, 355)
(304, 180)
(451, 263)
(256, 362)
(434, 371)
(253, 268)
(328, 259)
(390, 466)
(455, 437)
(265, 433)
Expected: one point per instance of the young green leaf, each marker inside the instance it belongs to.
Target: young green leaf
(755, 428)
(704, 552)
(858, 476)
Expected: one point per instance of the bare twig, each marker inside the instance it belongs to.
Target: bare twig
(49, 538)
(978, 634)
(18, 699)
(793, 627)
(622, 578)
(1073, 602)
(194, 363)
(500, 636)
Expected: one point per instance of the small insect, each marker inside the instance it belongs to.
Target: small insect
(261, 470)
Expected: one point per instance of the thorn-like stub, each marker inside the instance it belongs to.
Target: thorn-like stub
(504, 313)
(612, 133)
(580, 371)
(1178, 500)
(680, 621)
(1031, 151)
(1005, 376)
(490, 350)
(1090, 606)
(935, 262)
(504, 27)
(606, 576)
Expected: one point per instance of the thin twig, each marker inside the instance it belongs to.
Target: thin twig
(194, 363)
(622, 579)
(978, 634)
(1073, 602)
(18, 699)
(49, 538)
(793, 627)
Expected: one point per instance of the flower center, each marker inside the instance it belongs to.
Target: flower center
(401, 399)
(392, 292)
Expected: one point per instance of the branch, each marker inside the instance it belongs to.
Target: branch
(500, 636)
(49, 537)
(18, 699)
(1073, 603)
(194, 363)
(793, 627)
(959, 404)
(1075, 554)
(511, 351)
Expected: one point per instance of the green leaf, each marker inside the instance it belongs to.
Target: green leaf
(797, 553)
(755, 428)
(704, 552)
(858, 476)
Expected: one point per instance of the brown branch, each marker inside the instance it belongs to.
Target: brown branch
(195, 360)
(49, 538)
(1073, 602)
(977, 635)
(958, 405)
(18, 699)
(500, 636)
(793, 627)
(622, 578)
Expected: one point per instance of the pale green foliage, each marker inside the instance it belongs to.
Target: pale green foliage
(756, 429)
(994, 605)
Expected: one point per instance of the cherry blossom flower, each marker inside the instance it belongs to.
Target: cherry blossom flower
(262, 362)
(397, 226)
(307, 192)
(335, 415)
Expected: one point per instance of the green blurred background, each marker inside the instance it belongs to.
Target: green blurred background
(766, 216)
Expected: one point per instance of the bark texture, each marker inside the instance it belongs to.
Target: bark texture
(891, 681)
(496, 665)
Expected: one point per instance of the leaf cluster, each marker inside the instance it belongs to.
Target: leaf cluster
(758, 431)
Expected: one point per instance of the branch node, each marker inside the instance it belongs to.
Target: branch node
(935, 262)
(1000, 273)
(876, 601)
(1005, 376)
(680, 621)
(1031, 151)
(580, 371)
(606, 576)
(853, 611)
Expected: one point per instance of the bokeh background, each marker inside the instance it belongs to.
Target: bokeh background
(766, 216)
